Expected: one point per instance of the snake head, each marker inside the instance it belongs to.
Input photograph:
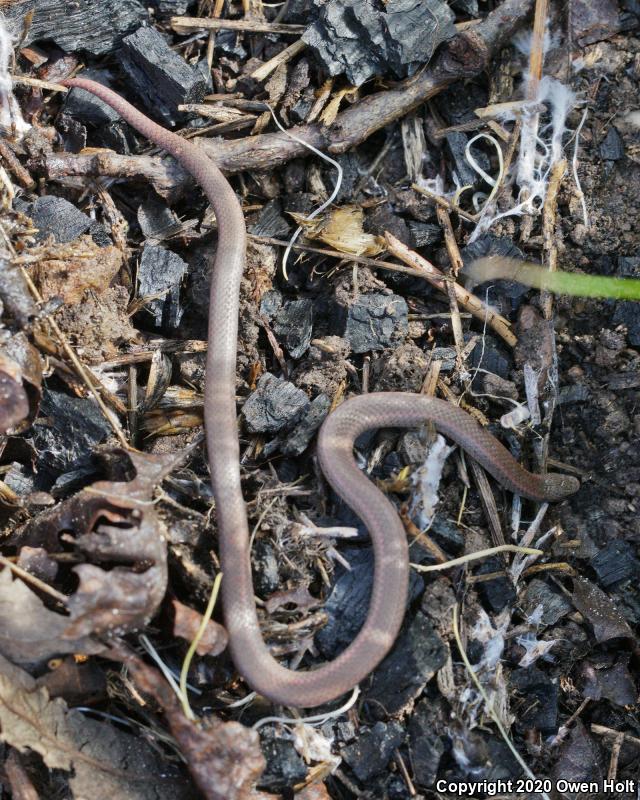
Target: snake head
(557, 487)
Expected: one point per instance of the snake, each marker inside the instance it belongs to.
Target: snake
(335, 451)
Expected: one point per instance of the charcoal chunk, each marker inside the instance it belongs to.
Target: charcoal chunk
(157, 221)
(294, 325)
(612, 147)
(615, 563)
(348, 603)
(107, 126)
(276, 404)
(369, 755)
(469, 7)
(361, 39)
(629, 266)
(284, 766)
(505, 296)
(172, 8)
(66, 435)
(374, 321)
(160, 77)
(499, 592)
(540, 700)
(271, 222)
(425, 234)
(492, 357)
(57, 217)
(97, 27)
(297, 440)
(228, 44)
(457, 145)
(425, 744)
(266, 578)
(543, 604)
(161, 272)
(415, 658)
(627, 313)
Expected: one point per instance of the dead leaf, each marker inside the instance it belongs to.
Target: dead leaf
(224, 757)
(600, 611)
(342, 229)
(115, 523)
(186, 624)
(106, 762)
(20, 383)
(300, 597)
(29, 631)
(14, 403)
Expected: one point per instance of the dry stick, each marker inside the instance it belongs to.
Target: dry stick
(15, 167)
(601, 730)
(441, 201)
(531, 123)
(263, 72)
(488, 502)
(549, 212)
(183, 25)
(464, 56)
(456, 266)
(321, 251)
(436, 278)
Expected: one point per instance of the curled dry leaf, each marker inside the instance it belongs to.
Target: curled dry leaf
(106, 762)
(29, 631)
(343, 229)
(20, 383)
(186, 623)
(300, 597)
(14, 403)
(225, 758)
(600, 611)
(112, 523)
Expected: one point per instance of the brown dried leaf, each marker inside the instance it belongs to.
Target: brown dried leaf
(342, 229)
(600, 611)
(106, 763)
(20, 383)
(113, 523)
(224, 757)
(186, 624)
(300, 597)
(14, 403)
(29, 631)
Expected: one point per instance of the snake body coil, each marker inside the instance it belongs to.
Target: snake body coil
(335, 450)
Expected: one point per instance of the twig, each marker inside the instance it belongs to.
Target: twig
(450, 285)
(182, 25)
(549, 213)
(27, 577)
(464, 56)
(283, 57)
(369, 262)
(443, 202)
(467, 300)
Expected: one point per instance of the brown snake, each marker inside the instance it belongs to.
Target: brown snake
(335, 451)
